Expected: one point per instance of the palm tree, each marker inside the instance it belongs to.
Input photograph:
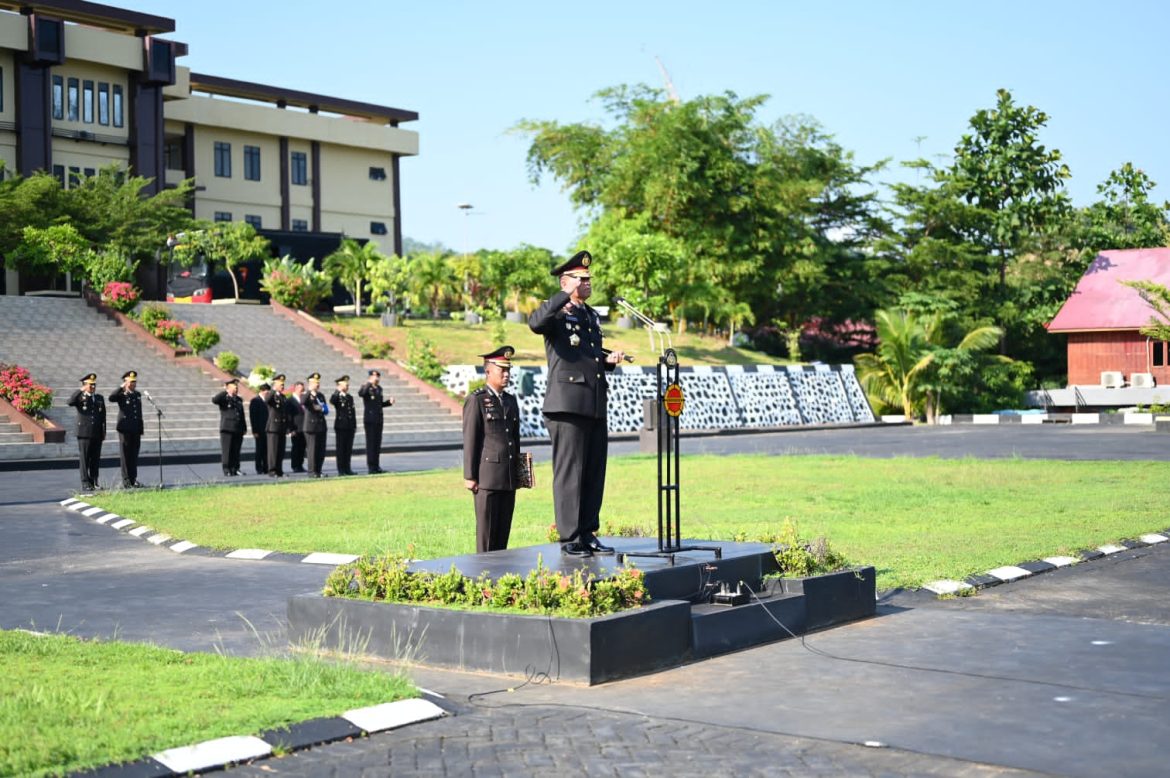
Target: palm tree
(431, 279)
(351, 264)
(902, 371)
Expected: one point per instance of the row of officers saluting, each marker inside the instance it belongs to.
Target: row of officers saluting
(275, 418)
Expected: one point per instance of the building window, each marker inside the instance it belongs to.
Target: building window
(377, 174)
(103, 103)
(252, 163)
(254, 220)
(74, 99)
(59, 174)
(87, 102)
(1158, 358)
(300, 168)
(377, 228)
(90, 172)
(223, 216)
(74, 176)
(117, 105)
(58, 97)
(300, 225)
(223, 159)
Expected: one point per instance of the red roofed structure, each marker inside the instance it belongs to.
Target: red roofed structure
(1102, 318)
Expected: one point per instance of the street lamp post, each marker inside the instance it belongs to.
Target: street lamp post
(466, 208)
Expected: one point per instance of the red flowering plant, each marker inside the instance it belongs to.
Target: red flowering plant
(121, 296)
(169, 330)
(18, 387)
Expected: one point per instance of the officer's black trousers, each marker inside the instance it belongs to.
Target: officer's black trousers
(229, 451)
(90, 450)
(374, 446)
(493, 519)
(276, 452)
(261, 451)
(344, 450)
(315, 451)
(131, 443)
(580, 445)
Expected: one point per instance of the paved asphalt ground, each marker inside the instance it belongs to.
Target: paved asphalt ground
(1065, 673)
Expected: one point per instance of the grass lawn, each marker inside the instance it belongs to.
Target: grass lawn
(915, 520)
(457, 343)
(67, 704)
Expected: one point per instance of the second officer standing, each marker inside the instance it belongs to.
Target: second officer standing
(232, 425)
(344, 424)
(130, 428)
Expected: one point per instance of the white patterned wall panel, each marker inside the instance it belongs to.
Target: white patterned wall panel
(821, 396)
(765, 399)
(857, 399)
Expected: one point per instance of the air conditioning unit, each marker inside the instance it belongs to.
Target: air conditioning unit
(1141, 380)
(1112, 379)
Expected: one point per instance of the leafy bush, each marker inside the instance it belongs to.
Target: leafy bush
(201, 337)
(800, 558)
(169, 330)
(121, 296)
(545, 591)
(373, 347)
(261, 374)
(294, 284)
(227, 361)
(18, 387)
(422, 360)
(152, 314)
(104, 267)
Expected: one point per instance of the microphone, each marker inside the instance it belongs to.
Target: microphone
(146, 394)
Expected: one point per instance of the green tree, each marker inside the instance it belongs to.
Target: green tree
(1158, 298)
(432, 279)
(56, 248)
(229, 243)
(1125, 217)
(388, 280)
(517, 273)
(351, 264)
(34, 201)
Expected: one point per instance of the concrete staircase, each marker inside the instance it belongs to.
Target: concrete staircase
(10, 432)
(261, 336)
(59, 340)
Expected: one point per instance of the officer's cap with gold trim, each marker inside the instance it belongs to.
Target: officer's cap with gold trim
(342, 380)
(230, 381)
(372, 371)
(314, 377)
(130, 375)
(278, 377)
(89, 378)
(501, 356)
(577, 265)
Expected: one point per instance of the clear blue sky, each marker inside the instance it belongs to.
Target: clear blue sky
(877, 75)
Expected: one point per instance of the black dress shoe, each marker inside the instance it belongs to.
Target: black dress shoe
(596, 546)
(298, 469)
(376, 471)
(138, 485)
(575, 549)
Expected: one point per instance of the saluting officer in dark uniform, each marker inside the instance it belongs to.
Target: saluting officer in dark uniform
(258, 418)
(277, 426)
(344, 424)
(232, 425)
(372, 405)
(296, 420)
(313, 424)
(575, 405)
(91, 430)
(491, 451)
(129, 401)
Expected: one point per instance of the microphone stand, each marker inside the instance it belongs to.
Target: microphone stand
(159, 411)
(653, 327)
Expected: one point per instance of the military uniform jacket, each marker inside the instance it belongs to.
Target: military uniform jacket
(258, 415)
(576, 363)
(295, 412)
(129, 410)
(279, 418)
(346, 418)
(372, 403)
(231, 413)
(313, 415)
(491, 439)
(91, 414)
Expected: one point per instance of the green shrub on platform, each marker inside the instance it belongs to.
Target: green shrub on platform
(387, 579)
(152, 314)
(169, 330)
(227, 361)
(799, 558)
(201, 337)
(373, 347)
(295, 284)
(422, 360)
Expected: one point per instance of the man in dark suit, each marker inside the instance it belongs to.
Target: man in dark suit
(232, 425)
(491, 451)
(372, 405)
(130, 427)
(575, 405)
(91, 430)
(313, 424)
(277, 426)
(296, 420)
(258, 418)
(344, 424)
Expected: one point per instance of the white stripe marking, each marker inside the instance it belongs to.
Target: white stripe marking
(1110, 549)
(213, 753)
(183, 545)
(122, 524)
(1153, 538)
(391, 715)
(1061, 561)
(79, 506)
(107, 518)
(68, 501)
(92, 511)
(158, 539)
(248, 553)
(140, 531)
(323, 558)
(1009, 573)
(947, 586)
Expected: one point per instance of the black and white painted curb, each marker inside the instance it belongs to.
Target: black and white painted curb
(1009, 573)
(161, 539)
(239, 749)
